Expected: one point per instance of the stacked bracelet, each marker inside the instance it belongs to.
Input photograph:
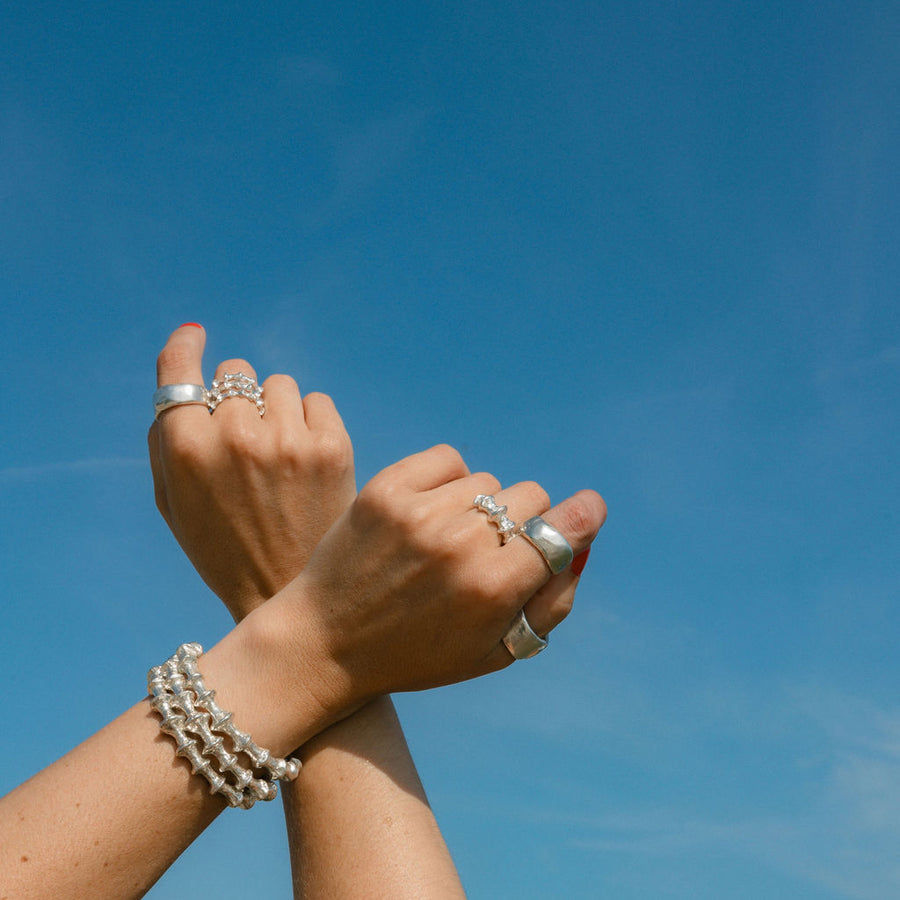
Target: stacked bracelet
(187, 708)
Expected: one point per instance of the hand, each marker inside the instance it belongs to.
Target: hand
(411, 588)
(247, 497)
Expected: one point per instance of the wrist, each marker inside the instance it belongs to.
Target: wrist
(278, 683)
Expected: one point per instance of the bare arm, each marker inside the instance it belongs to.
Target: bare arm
(111, 816)
(406, 591)
(357, 817)
(409, 589)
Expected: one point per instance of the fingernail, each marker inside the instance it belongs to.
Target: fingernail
(580, 561)
(195, 325)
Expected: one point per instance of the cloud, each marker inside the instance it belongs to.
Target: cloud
(797, 780)
(302, 74)
(843, 837)
(18, 474)
(364, 160)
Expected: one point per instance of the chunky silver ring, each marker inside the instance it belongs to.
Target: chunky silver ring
(236, 384)
(170, 395)
(555, 549)
(497, 514)
(521, 639)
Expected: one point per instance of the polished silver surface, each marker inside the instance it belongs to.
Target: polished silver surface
(236, 384)
(170, 395)
(521, 640)
(497, 514)
(555, 549)
(199, 727)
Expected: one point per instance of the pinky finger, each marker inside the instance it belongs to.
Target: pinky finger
(552, 603)
(321, 413)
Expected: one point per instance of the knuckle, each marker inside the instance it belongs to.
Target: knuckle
(450, 454)
(333, 451)
(281, 381)
(450, 544)
(537, 493)
(243, 443)
(491, 483)
(233, 366)
(581, 518)
(379, 497)
(320, 398)
(562, 606)
(184, 450)
(489, 585)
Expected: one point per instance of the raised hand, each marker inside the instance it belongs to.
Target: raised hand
(412, 588)
(247, 497)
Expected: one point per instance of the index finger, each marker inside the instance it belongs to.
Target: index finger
(180, 361)
(577, 519)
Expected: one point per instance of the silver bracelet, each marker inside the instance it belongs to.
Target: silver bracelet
(187, 707)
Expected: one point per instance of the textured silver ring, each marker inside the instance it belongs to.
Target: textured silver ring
(236, 384)
(521, 639)
(170, 395)
(497, 514)
(555, 549)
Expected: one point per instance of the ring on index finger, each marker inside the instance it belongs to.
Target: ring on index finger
(170, 395)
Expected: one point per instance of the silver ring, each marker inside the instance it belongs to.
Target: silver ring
(236, 384)
(170, 395)
(555, 549)
(521, 640)
(497, 514)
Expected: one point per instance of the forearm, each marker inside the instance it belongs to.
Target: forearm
(107, 819)
(359, 823)
(104, 821)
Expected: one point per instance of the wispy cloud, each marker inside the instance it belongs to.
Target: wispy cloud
(364, 160)
(17, 474)
(844, 837)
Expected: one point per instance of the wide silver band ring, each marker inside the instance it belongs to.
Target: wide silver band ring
(236, 384)
(555, 549)
(497, 514)
(521, 639)
(170, 395)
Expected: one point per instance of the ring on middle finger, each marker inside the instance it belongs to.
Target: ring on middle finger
(497, 514)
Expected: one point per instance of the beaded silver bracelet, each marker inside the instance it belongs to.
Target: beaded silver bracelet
(187, 707)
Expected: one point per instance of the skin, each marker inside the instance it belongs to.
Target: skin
(406, 590)
(359, 804)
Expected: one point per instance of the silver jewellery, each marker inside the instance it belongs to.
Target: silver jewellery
(555, 549)
(236, 385)
(232, 385)
(187, 707)
(497, 514)
(170, 395)
(521, 640)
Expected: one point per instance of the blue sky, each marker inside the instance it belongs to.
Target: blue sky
(644, 247)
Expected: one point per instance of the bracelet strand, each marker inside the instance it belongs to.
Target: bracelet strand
(190, 715)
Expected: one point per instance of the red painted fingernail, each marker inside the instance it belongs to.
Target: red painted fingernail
(580, 561)
(195, 324)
